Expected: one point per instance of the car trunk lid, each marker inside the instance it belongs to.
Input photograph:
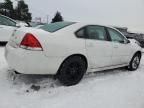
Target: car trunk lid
(18, 35)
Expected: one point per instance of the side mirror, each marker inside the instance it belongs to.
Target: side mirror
(128, 41)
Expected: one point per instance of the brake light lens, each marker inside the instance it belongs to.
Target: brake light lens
(30, 42)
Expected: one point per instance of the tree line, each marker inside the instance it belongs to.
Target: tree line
(21, 11)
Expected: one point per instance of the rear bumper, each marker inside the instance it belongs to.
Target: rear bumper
(31, 62)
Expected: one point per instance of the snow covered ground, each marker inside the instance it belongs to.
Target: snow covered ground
(110, 89)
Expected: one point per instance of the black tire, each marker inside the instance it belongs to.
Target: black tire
(134, 63)
(72, 71)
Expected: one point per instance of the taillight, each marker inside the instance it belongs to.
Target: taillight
(30, 42)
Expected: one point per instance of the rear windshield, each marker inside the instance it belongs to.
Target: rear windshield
(53, 27)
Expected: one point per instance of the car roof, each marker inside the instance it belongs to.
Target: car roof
(86, 24)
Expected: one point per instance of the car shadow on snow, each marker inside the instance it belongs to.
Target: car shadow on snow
(32, 82)
(107, 74)
(38, 82)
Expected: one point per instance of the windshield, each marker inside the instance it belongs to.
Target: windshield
(53, 27)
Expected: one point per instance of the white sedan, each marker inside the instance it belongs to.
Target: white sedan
(69, 50)
(7, 27)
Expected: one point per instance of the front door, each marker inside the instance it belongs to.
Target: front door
(99, 48)
(121, 49)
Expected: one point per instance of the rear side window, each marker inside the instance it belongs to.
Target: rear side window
(53, 27)
(96, 32)
(81, 33)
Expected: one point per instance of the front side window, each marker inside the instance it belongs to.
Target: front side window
(116, 36)
(6, 21)
(96, 32)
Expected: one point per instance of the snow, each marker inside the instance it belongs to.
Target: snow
(108, 89)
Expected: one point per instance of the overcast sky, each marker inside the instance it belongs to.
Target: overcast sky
(109, 12)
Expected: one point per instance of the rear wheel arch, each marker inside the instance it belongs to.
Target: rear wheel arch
(73, 55)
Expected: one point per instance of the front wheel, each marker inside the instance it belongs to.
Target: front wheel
(134, 64)
(72, 71)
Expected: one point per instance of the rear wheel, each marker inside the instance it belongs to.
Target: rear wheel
(134, 64)
(72, 71)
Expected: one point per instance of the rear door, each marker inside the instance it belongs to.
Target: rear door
(98, 46)
(7, 27)
(121, 49)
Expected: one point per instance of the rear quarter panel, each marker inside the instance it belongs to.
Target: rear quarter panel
(64, 43)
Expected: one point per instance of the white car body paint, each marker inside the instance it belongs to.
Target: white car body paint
(60, 45)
